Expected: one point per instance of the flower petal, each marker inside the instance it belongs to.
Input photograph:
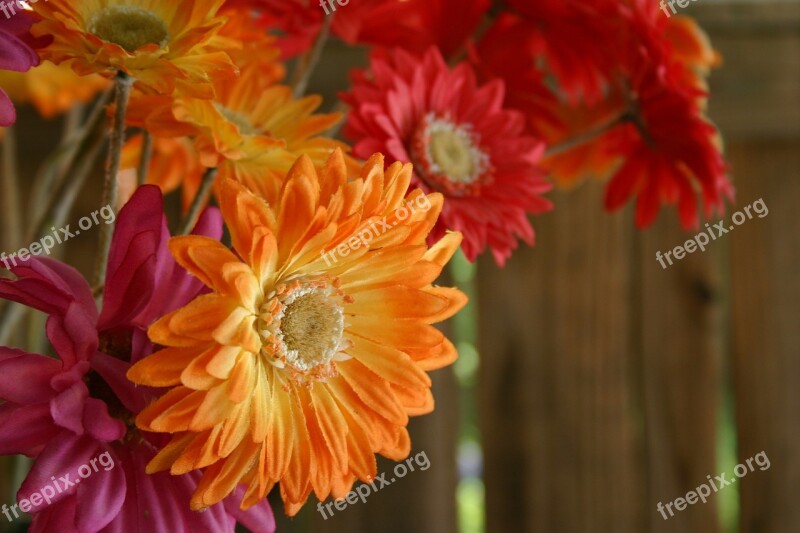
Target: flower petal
(26, 376)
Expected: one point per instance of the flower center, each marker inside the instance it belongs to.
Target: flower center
(449, 157)
(131, 27)
(301, 325)
(118, 344)
(244, 125)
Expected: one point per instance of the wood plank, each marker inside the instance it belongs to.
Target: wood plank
(560, 438)
(754, 95)
(766, 337)
(679, 316)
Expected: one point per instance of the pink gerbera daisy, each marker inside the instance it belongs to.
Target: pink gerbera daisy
(461, 141)
(16, 55)
(75, 414)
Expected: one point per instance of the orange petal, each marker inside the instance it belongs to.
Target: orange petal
(163, 368)
(331, 423)
(389, 363)
(372, 390)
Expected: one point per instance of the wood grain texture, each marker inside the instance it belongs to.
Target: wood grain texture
(766, 338)
(661, 338)
(754, 93)
(560, 438)
(680, 322)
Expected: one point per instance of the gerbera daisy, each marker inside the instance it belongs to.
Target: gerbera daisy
(634, 102)
(526, 86)
(414, 25)
(69, 411)
(299, 21)
(174, 163)
(462, 142)
(254, 44)
(569, 164)
(311, 351)
(582, 43)
(51, 89)
(250, 131)
(670, 153)
(163, 45)
(16, 55)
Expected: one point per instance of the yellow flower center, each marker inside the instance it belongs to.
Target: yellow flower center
(452, 152)
(131, 27)
(301, 326)
(449, 156)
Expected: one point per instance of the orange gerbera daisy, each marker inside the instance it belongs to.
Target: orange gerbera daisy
(311, 351)
(163, 45)
(51, 89)
(173, 163)
(253, 44)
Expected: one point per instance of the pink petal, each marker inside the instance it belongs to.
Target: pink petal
(99, 424)
(132, 259)
(129, 518)
(8, 115)
(47, 285)
(61, 458)
(113, 372)
(67, 408)
(172, 283)
(26, 376)
(73, 335)
(100, 496)
(15, 54)
(26, 429)
(73, 282)
(58, 517)
(160, 502)
(258, 519)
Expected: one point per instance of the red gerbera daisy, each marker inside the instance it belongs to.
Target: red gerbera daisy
(413, 25)
(410, 24)
(626, 73)
(670, 154)
(461, 141)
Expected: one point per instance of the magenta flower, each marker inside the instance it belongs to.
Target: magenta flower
(15, 54)
(75, 414)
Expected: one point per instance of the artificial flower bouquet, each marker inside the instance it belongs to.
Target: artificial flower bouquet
(276, 329)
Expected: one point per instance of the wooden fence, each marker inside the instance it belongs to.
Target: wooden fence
(606, 379)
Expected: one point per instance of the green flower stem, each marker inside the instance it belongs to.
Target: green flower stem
(200, 199)
(145, 158)
(123, 84)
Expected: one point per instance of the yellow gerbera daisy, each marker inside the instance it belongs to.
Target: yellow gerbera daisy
(252, 131)
(52, 89)
(163, 45)
(311, 351)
